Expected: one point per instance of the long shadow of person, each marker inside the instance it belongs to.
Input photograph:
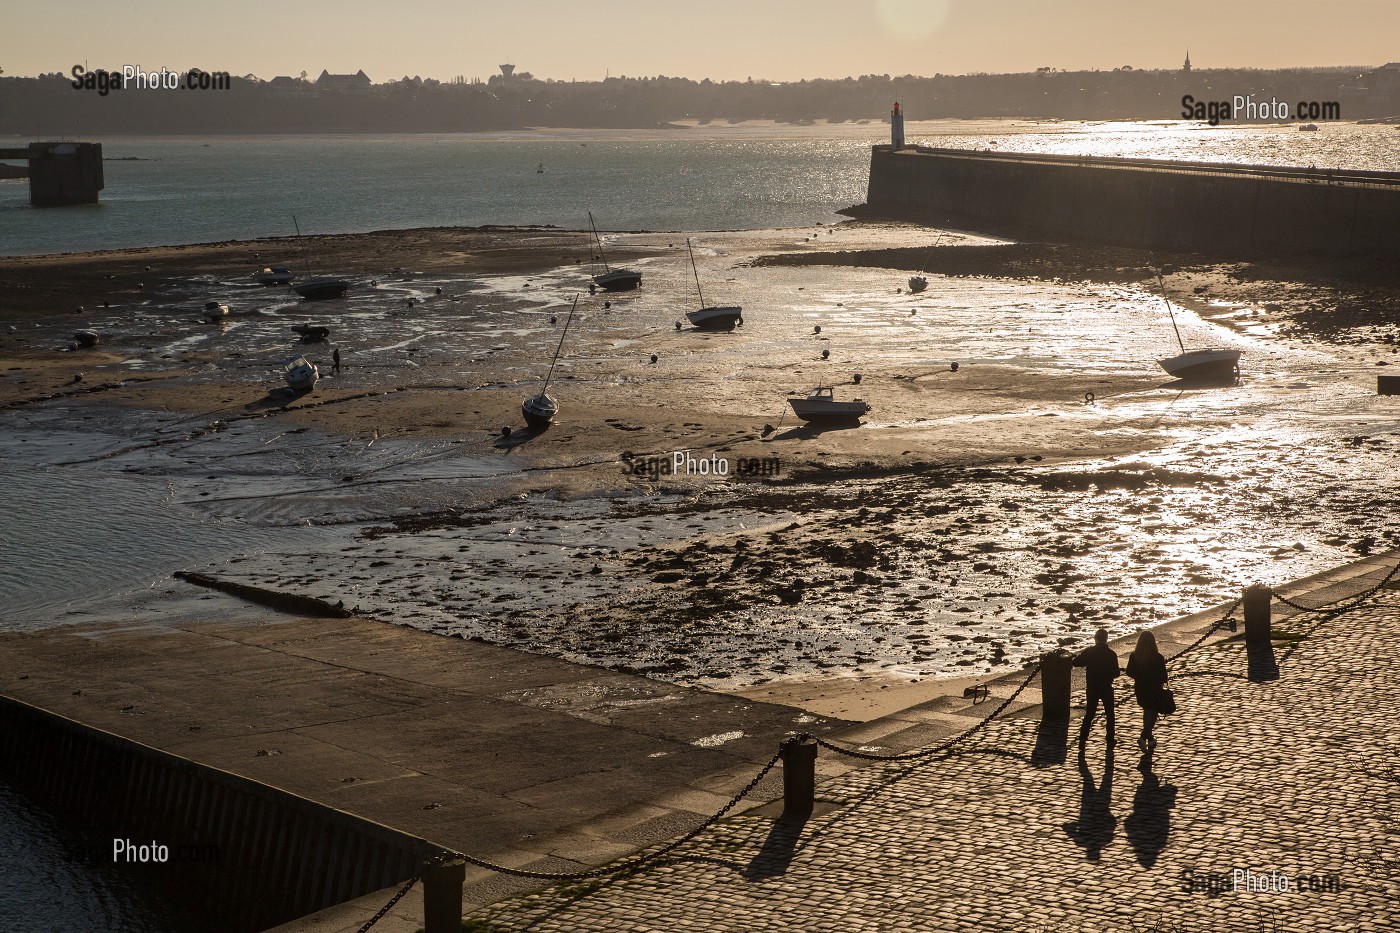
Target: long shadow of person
(1148, 826)
(1096, 825)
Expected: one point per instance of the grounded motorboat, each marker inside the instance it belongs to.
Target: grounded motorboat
(275, 275)
(612, 280)
(917, 283)
(1211, 363)
(322, 289)
(213, 311)
(539, 410)
(300, 374)
(1308, 127)
(714, 317)
(821, 405)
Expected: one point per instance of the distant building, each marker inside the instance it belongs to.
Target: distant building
(286, 86)
(1187, 67)
(358, 81)
(1383, 86)
(507, 70)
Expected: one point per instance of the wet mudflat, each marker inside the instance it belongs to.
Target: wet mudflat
(1056, 480)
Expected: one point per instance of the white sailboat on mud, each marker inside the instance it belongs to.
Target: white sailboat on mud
(540, 409)
(1205, 365)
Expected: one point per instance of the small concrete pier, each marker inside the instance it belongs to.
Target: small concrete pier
(60, 173)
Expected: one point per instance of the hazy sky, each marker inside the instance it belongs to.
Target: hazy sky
(723, 39)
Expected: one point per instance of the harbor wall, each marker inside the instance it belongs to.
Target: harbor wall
(1237, 210)
(245, 856)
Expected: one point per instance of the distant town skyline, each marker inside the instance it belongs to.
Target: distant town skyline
(778, 40)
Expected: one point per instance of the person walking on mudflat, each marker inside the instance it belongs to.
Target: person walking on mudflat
(1100, 670)
(1148, 669)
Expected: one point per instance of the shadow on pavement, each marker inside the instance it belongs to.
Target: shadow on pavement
(1148, 826)
(1096, 825)
(773, 858)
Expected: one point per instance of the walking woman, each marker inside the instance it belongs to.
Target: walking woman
(1148, 669)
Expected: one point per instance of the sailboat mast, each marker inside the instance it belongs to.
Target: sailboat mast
(303, 251)
(1170, 313)
(695, 271)
(599, 240)
(559, 346)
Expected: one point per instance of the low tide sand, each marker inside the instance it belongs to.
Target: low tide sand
(870, 570)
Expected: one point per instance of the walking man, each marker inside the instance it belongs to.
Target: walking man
(1100, 670)
(335, 359)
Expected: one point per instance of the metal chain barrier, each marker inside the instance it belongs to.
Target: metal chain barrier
(1347, 605)
(1226, 620)
(635, 862)
(384, 911)
(932, 749)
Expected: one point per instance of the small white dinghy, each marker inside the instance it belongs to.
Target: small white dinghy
(300, 374)
(214, 312)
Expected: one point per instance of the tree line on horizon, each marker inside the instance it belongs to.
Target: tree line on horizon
(49, 105)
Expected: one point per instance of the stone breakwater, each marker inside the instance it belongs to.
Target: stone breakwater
(1220, 208)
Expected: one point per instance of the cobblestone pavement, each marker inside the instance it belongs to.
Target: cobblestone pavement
(1282, 761)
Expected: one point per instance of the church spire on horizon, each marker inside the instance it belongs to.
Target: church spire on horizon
(1187, 67)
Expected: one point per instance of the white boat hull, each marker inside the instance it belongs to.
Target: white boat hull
(300, 374)
(716, 318)
(1218, 363)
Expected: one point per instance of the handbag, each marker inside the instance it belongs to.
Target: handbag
(1166, 703)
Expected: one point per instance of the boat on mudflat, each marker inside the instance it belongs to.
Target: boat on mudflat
(322, 289)
(612, 280)
(539, 409)
(275, 275)
(1207, 364)
(821, 406)
(300, 374)
(917, 283)
(1213, 363)
(714, 317)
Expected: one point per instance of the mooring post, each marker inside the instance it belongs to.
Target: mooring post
(442, 896)
(1256, 614)
(1055, 669)
(799, 776)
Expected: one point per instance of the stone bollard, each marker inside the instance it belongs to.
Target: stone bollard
(799, 777)
(1055, 669)
(1256, 614)
(442, 896)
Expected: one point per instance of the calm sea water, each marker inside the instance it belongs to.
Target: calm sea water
(716, 177)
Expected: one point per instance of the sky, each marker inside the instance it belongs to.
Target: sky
(777, 40)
